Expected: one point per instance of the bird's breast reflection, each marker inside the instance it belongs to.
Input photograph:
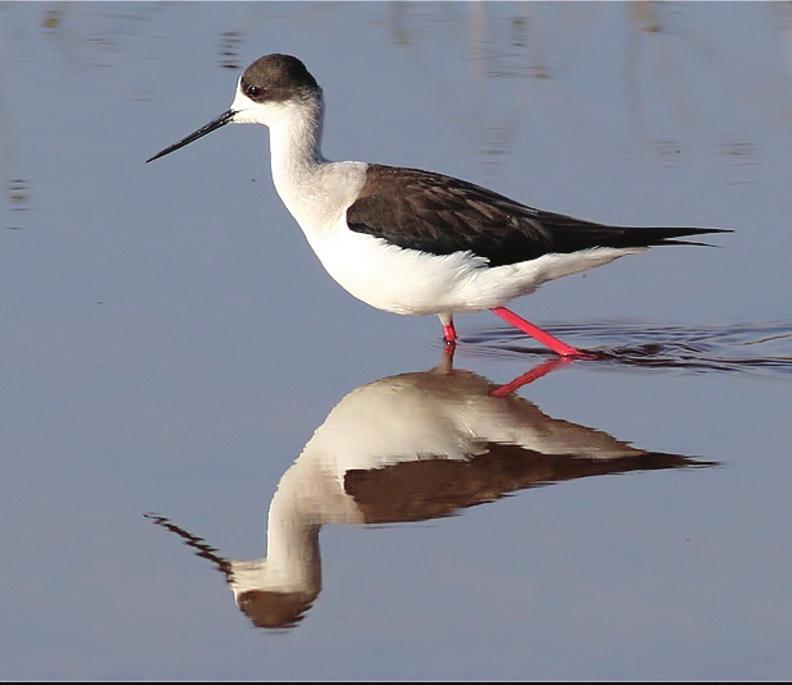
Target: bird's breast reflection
(404, 448)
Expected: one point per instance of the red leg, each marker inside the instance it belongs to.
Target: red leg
(558, 346)
(449, 334)
(530, 376)
(447, 362)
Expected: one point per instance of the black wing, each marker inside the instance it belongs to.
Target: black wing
(426, 211)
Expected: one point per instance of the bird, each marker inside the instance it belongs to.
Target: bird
(412, 447)
(410, 241)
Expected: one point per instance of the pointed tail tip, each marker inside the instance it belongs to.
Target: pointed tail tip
(669, 235)
(696, 232)
(715, 230)
(693, 230)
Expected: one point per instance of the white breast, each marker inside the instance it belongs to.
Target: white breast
(376, 272)
(405, 281)
(391, 278)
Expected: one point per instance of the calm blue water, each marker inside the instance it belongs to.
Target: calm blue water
(172, 348)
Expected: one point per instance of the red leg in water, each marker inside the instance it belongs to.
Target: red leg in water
(449, 334)
(447, 362)
(530, 376)
(558, 346)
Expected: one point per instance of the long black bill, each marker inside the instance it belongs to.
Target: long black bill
(222, 120)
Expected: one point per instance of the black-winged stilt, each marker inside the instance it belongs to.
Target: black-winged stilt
(409, 241)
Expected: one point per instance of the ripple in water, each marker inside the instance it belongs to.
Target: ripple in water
(749, 347)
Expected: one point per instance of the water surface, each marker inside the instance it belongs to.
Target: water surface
(177, 368)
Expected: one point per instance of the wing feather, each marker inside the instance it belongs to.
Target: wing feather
(430, 212)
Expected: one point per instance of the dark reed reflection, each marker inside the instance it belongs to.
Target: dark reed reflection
(230, 43)
(411, 447)
(17, 198)
(526, 53)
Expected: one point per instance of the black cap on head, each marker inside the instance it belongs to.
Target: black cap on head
(276, 78)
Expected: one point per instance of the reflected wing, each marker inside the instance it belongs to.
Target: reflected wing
(429, 488)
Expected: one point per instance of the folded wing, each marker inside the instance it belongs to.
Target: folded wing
(433, 213)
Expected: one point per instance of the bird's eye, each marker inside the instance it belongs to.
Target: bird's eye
(254, 92)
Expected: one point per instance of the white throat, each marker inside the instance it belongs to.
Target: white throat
(295, 141)
(295, 128)
(316, 191)
(292, 563)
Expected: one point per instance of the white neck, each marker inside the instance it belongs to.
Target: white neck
(295, 146)
(315, 191)
(293, 542)
(292, 563)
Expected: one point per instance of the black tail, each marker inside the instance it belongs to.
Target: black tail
(648, 236)
(567, 234)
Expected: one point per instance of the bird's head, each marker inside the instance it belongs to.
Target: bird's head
(268, 90)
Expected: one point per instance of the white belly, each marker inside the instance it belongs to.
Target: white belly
(394, 279)
(407, 281)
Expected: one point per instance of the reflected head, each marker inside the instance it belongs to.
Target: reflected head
(268, 609)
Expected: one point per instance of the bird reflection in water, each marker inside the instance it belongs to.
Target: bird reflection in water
(408, 448)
